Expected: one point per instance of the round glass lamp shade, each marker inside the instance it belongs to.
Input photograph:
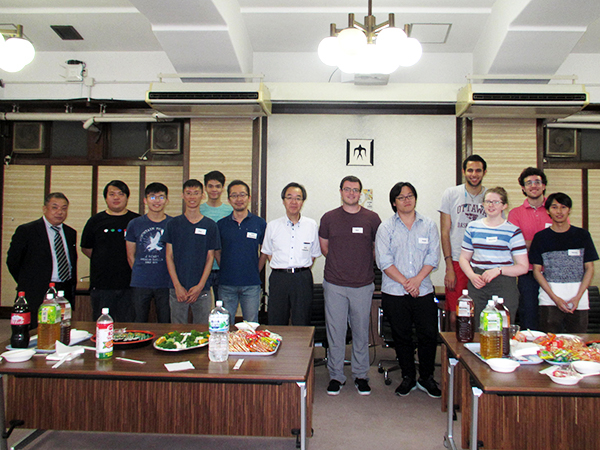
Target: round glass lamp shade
(390, 37)
(352, 41)
(410, 52)
(329, 51)
(15, 54)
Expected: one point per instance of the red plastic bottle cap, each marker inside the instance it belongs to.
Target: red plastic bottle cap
(21, 294)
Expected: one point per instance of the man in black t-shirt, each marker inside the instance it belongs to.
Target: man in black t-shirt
(103, 241)
(566, 254)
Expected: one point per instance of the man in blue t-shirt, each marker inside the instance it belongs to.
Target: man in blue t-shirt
(215, 209)
(146, 255)
(191, 243)
(241, 235)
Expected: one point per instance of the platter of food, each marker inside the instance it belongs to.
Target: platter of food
(564, 349)
(174, 341)
(253, 343)
(124, 339)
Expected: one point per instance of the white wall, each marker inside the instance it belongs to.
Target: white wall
(311, 150)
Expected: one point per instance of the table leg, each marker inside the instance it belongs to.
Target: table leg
(449, 438)
(474, 414)
(3, 440)
(302, 386)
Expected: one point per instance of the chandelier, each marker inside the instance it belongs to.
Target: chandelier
(369, 48)
(16, 51)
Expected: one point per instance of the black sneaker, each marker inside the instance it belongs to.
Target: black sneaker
(334, 387)
(362, 385)
(430, 386)
(408, 384)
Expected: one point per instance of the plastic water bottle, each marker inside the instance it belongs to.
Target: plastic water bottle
(465, 314)
(65, 319)
(104, 335)
(491, 332)
(505, 313)
(20, 321)
(218, 341)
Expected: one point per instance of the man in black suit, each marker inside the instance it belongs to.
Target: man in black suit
(45, 251)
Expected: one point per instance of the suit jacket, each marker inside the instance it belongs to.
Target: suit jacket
(29, 261)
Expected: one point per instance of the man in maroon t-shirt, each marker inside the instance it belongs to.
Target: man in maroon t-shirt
(347, 235)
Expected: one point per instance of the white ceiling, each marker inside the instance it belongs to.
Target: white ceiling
(524, 37)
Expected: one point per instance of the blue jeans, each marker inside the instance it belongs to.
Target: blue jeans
(246, 296)
(180, 310)
(142, 299)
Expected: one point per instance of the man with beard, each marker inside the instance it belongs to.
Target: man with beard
(530, 217)
(242, 234)
(291, 244)
(461, 205)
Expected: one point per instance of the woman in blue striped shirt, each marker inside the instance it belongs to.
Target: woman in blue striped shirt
(493, 254)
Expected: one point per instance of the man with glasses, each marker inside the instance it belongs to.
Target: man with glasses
(291, 245)
(146, 254)
(461, 205)
(530, 217)
(103, 241)
(347, 235)
(242, 234)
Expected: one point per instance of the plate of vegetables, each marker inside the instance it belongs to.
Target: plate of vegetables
(124, 339)
(175, 341)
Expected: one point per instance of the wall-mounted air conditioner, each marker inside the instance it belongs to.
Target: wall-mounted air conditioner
(210, 99)
(521, 101)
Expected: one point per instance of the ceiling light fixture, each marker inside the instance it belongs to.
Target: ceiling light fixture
(16, 52)
(370, 48)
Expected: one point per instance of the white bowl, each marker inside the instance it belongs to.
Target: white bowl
(248, 326)
(18, 355)
(586, 366)
(569, 380)
(503, 365)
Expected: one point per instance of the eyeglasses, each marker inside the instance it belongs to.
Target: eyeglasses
(157, 197)
(533, 183)
(493, 202)
(405, 197)
(289, 198)
(348, 190)
(241, 195)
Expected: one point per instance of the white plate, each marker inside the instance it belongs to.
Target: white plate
(503, 365)
(256, 353)
(21, 355)
(586, 366)
(179, 349)
(567, 381)
(474, 347)
(531, 335)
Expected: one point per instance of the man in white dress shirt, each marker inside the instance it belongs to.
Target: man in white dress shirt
(291, 244)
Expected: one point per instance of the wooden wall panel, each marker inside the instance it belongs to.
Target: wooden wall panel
(172, 177)
(508, 146)
(23, 202)
(594, 216)
(128, 174)
(221, 144)
(76, 184)
(569, 182)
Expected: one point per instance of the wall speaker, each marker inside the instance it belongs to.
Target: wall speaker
(28, 137)
(165, 138)
(561, 142)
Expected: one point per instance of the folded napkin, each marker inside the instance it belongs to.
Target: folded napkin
(523, 348)
(63, 350)
(184, 365)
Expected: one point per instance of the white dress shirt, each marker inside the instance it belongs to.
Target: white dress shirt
(291, 245)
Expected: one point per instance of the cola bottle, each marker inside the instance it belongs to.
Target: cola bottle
(20, 321)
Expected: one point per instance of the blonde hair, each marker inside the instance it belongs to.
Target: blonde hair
(500, 191)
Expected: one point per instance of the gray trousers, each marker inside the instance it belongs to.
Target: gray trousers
(345, 305)
(200, 308)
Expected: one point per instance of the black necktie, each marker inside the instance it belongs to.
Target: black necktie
(61, 257)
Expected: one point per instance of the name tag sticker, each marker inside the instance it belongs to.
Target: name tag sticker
(423, 240)
(574, 252)
(305, 246)
(251, 235)
(491, 239)
(200, 231)
(547, 225)
(357, 230)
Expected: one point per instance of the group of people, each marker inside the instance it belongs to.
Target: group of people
(175, 261)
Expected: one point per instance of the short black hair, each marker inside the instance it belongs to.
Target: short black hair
(120, 185)
(214, 175)
(237, 183)
(474, 158)
(155, 188)
(351, 179)
(293, 185)
(52, 195)
(192, 182)
(395, 192)
(561, 198)
(529, 172)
